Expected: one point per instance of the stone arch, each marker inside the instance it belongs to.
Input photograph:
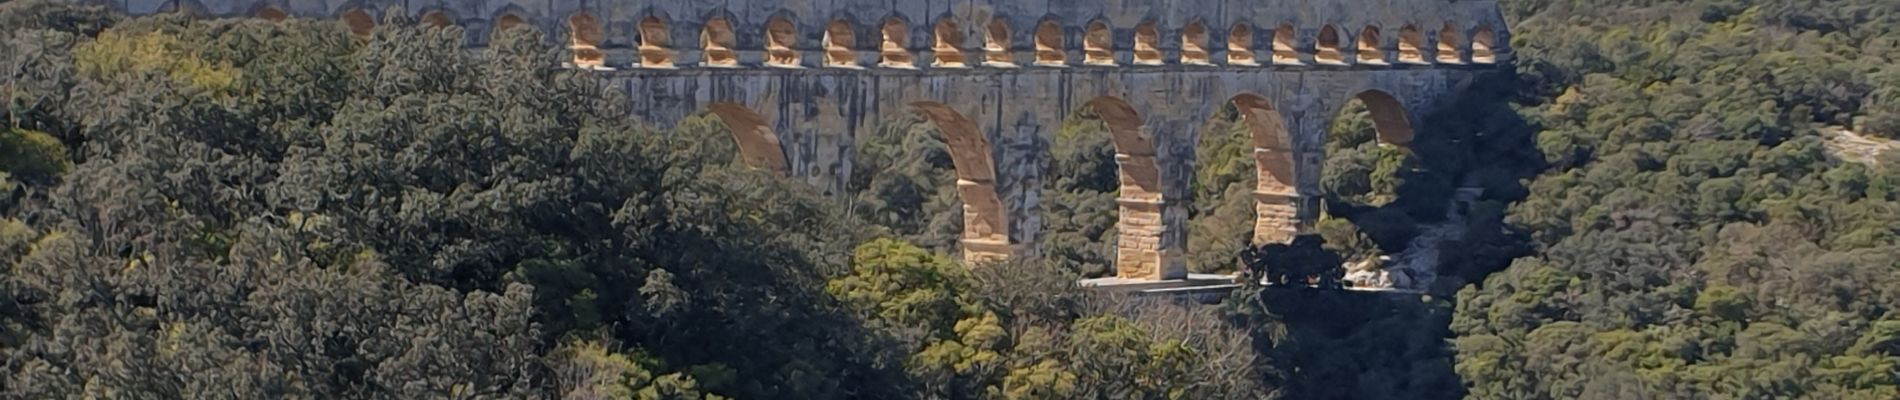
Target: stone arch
(1276, 194)
(781, 42)
(655, 43)
(359, 22)
(1049, 46)
(1411, 45)
(758, 145)
(1326, 49)
(1098, 44)
(1371, 46)
(894, 51)
(1240, 45)
(436, 19)
(272, 14)
(1484, 45)
(948, 44)
(717, 44)
(1194, 44)
(996, 44)
(1450, 41)
(1286, 45)
(587, 35)
(1141, 252)
(1389, 116)
(508, 21)
(1148, 44)
(840, 45)
(985, 220)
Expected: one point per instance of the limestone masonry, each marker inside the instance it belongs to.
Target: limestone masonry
(797, 80)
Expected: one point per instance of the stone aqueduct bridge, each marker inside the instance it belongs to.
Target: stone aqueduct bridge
(797, 80)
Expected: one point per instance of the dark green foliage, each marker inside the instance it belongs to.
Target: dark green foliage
(1697, 239)
(1305, 262)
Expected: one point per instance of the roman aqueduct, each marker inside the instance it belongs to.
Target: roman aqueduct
(797, 80)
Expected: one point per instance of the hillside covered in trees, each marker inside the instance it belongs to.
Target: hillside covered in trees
(255, 209)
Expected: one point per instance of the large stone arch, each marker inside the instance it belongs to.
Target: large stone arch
(359, 22)
(272, 14)
(1389, 116)
(758, 145)
(985, 219)
(1276, 185)
(436, 19)
(1141, 251)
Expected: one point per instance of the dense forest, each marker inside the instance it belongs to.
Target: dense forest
(201, 208)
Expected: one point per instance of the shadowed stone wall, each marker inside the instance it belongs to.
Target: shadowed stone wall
(796, 80)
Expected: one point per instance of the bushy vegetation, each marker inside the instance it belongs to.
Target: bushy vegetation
(196, 208)
(1694, 237)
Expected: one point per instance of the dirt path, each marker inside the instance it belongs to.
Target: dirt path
(1850, 146)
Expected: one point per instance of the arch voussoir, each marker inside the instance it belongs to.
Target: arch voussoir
(986, 223)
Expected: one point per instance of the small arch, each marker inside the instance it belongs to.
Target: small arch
(717, 44)
(654, 42)
(1148, 44)
(1370, 46)
(985, 220)
(758, 145)
(1411, 45)
(1194, 44)
(1276, 194)
(1450, 39)
(359, 22)
(1049, 50)
(1326, 50)
(1389, 117)
(839, 42)
(272, 14)
(996, 44)
(781, 40)
(1286, 45)
(1240, 45)
(894, 52)
(1484, 45)
(587, 34)
(948, 46)
(1098, 44)
(436, 19)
